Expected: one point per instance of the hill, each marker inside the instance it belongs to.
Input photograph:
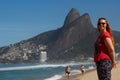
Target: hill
(72, 42)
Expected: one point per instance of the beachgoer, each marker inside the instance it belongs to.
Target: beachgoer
(67, 71)
(104, 55)
(82, 68)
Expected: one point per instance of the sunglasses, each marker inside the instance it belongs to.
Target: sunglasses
(101, 23)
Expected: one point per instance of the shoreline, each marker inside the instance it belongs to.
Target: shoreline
(92, 74)
(88, 74)
(77, 76)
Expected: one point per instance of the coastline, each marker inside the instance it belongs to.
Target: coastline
(92, 74)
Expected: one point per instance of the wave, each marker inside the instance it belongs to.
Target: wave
(39, 66)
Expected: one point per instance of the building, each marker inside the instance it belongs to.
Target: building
(43, 56)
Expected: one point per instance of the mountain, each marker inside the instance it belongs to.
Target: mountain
(73, 41)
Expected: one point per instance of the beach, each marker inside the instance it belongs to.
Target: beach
(92, 74)
(39, 71)
(51, 72)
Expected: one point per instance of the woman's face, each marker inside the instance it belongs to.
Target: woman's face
(102, 25)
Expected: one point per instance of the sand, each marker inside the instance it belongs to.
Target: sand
(92, 75)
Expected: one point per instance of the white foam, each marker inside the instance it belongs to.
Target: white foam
(91, 67)
(30, 67)
(74, 72)
(55, 77)
(38, 66)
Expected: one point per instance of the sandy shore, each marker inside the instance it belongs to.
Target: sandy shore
(92, 75)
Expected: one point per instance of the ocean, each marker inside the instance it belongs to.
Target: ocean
(39, 71)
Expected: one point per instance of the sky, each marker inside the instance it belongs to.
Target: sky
(24, 19)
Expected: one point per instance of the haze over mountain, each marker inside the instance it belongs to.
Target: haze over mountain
(73, 41)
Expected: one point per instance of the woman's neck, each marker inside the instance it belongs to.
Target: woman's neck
(102, 32)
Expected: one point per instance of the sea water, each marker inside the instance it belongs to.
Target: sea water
(39, 71)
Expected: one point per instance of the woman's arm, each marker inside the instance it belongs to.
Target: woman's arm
(111, 50)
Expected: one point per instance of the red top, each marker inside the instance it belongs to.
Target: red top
(101, 51)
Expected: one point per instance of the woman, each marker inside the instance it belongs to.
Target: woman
(104, 55)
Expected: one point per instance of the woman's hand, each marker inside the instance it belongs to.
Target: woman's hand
(114, 64)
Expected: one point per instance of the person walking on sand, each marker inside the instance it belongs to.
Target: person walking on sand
(67, 72)
(104, 55)
(82, 69)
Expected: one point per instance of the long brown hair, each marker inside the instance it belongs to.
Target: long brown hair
(108, 28)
